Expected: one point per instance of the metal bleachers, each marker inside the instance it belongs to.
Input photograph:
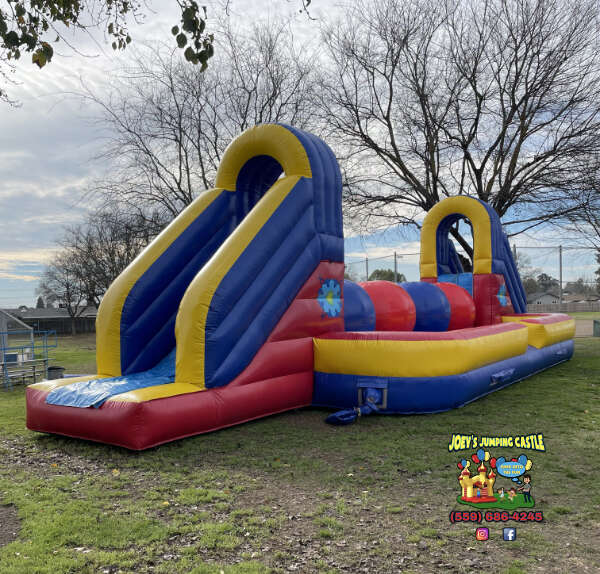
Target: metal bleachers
(24, 356)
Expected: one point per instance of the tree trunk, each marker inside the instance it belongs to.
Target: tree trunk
(463, 242)
(73, 327)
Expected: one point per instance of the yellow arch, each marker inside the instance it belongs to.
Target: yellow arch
(272, 140)
(482, 233)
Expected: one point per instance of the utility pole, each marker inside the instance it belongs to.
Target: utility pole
(395, 267)
(560, 276)
(367, 267)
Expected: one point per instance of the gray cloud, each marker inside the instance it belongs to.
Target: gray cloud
(47, 145)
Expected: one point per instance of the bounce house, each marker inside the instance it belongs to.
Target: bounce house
(239, 309)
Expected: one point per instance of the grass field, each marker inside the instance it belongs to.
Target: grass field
(585, 315)
(290, 494)
(76, 354)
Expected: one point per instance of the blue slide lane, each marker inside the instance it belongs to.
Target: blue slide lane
(508, 268)
(94, 393)
(149, 312)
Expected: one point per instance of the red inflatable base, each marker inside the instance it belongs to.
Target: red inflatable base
(279, 377)
(138, 426)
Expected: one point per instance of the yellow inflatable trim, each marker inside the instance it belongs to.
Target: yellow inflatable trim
(482, 233)
(387, 358)
(156, 392)
(544, 334)
(108, 322)
(271, 140)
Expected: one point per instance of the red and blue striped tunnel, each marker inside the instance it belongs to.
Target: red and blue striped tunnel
(412, 306)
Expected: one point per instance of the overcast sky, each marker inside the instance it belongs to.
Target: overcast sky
(47, 147)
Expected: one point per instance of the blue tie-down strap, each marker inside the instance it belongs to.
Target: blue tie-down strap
(372, 399)
(95, 393)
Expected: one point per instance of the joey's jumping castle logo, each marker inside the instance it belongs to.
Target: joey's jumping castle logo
(486, 481)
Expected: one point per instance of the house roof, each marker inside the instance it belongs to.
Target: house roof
(579, 298)
(49, 313)
(9, 321)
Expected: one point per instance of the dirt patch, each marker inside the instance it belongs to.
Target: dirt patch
(584, 327)
(9, 525)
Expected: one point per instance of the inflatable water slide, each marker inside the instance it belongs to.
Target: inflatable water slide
(239, 309)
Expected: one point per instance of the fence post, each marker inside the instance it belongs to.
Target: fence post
(560, 277)
(395, 267)
(3, 345)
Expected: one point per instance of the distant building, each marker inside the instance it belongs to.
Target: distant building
(53, 319)
(580, 298)
(542, 298)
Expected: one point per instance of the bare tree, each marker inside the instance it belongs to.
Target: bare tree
(60, 283)
(101, 247)
(170, 123)
(527, 272)
(498, 99)
(586, 221)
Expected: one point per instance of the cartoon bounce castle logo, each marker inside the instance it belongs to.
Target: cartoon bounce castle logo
(489, 482)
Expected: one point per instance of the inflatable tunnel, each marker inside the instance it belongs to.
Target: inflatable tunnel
(239, 309)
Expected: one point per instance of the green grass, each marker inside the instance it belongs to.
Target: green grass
(76, 354)
(290, 493)
(505, 504)
(585, 315)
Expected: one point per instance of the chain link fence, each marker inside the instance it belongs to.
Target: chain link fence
(557, 277)
(404, 265)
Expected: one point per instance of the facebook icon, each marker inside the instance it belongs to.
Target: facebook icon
(509, 533)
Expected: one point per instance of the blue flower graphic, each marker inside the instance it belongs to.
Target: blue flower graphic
(329, 297)
(501, 295)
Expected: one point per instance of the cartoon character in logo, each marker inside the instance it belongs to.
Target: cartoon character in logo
(329, 297)
(526, 488)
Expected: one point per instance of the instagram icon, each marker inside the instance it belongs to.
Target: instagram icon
(482, 533)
